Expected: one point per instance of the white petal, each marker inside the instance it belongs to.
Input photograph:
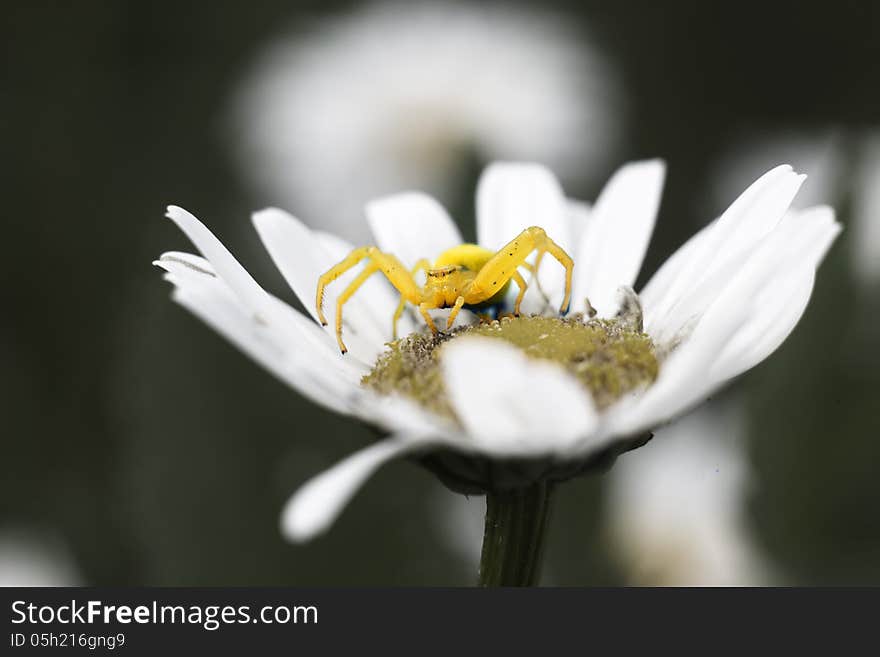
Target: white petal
(295, 251)
(208, 297)
(412, 226)
(771, 195)
(683, 269)
(311, 337)
(169, 259)
(301, 355)
(513, 405)
(579, 216)
(289, 345)
(801, 240)
(767, 328)
(781, 302)
(790, 244)
(224, 263)
(302, 259)
(611, 250)
(513, 196)
(401, 415)
(315, 506)
(745, 321)
(253, 297)
(655, 295)
(694, 276)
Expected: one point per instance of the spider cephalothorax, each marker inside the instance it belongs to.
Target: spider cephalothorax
(465, 275)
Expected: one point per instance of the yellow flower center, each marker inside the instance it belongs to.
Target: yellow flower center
(608, 356)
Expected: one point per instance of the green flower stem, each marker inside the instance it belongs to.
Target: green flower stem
(516, 522)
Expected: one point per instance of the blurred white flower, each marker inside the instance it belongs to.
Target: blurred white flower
(395, 94)
(459, 521)
(865, 239)
(30, 558)
(719, 305)
(675, 509)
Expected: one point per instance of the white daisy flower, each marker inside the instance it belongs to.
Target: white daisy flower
(675, 510)
(720, 305)
(399, 95)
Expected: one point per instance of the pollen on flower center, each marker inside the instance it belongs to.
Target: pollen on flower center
(608, 356)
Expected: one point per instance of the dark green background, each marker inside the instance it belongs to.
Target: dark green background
(163, 456)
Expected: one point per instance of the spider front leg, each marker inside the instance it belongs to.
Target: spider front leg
(521, 284)
(454, 312)
(501, 267)
(389, 265)
(335, 272)
(424, 307)
(422, 265)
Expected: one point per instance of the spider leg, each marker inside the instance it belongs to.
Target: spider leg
(521, 284)
(335, 272)
(556, 251)
(423, 308)
(398, 312)
(502, 266)
(565, 260)
(422, 265)
(454, 312)
(368, 271)
(388, 264)
(533, 270)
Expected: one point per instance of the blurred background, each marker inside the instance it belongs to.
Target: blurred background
(140, 448)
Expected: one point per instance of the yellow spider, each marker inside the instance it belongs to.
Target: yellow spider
(465, 275)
